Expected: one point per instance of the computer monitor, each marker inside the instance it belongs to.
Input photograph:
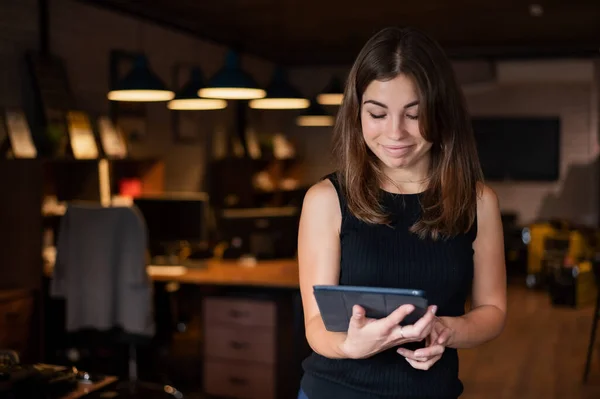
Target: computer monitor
(172, 218)
(264, 233)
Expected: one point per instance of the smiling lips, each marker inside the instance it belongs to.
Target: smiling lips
(397, 150)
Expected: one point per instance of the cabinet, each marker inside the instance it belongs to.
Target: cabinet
(21, 257)
(253, 347)
(16, 321)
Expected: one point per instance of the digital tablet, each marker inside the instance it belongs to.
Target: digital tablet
(336, 301)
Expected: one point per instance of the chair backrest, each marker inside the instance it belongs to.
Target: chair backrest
(101, 269)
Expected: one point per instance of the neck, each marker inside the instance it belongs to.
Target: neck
(409, 180)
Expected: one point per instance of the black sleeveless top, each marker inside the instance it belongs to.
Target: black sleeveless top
(392, 256)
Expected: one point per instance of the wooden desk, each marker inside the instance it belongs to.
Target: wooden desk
(282, 273)
(272, 273)
(86, 389)
(252, 326)
(251, 321)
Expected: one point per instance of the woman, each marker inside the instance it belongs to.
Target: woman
(407, 208)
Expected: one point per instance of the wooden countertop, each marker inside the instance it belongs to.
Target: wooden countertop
(280, 273)
(9, 295)
(85, 389)
(272, 273)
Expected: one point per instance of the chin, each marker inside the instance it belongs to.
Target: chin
(395, 163)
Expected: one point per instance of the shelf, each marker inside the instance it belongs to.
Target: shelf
(73, 179)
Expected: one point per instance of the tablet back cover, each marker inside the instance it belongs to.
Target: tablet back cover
(336, 307)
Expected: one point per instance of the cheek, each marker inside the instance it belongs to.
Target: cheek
(369, 129)
(414, 130)
(416, 133)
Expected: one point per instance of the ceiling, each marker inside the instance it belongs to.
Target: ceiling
(317, 32)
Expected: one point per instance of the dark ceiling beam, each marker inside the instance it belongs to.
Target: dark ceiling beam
(524, 52)
(170, 25)
(492, 53)
(344, 56)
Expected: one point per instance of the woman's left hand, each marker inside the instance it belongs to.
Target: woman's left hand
(425, 358)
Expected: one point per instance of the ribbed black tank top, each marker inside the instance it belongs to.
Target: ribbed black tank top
(392, 256)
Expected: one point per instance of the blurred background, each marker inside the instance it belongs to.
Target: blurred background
(209, 120)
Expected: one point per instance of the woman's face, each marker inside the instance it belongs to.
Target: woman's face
(390, 123)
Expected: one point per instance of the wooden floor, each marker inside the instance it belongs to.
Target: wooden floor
(540, 355)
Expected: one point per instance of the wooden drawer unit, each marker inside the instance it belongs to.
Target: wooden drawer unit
(16, 309)
(235, 312)
(240, 347)
(253, 345)
(238, 380)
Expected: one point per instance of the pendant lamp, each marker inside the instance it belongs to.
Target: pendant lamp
(187, 98)
(231, 82)
(315, 115)
(333, 94)
(140, 85)
(280, 95)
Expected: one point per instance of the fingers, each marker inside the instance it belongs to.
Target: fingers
(397, 316)
(422, 327)
(423, 359)
(429, 352)
(424, 354)
(443, 336)
(423, 365)
(358, 318)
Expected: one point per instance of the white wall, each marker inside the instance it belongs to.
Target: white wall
(574, 195)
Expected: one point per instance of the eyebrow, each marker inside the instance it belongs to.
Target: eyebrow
(382, 105)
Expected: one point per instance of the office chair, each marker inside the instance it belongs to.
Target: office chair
(101, 273)
(596, 317)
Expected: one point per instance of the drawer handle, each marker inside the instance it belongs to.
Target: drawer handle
(238, 345)
(237, 381)
(236, 314)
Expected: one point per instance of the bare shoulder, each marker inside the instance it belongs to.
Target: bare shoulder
(321, 206)
(322, 196)
(488, 204)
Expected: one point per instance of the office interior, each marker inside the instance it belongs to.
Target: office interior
(218, 181)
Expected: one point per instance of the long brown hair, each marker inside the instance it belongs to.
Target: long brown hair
(449, 204)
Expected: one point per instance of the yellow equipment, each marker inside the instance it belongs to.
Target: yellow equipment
(535, 237)
(555, 243)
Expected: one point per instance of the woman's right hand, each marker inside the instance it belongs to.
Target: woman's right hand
(367, 336)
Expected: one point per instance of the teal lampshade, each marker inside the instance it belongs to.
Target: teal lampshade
(281, 95)
(187, 98)
(140, 84)
(231, 82)
(333, 94)
(315, 115)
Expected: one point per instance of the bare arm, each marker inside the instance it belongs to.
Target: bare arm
(319, 262)
(485, 321)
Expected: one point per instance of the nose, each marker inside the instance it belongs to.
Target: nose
(398, 128)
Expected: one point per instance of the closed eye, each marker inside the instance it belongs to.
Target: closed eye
(374, 116)
(413, 117)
